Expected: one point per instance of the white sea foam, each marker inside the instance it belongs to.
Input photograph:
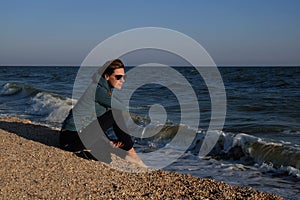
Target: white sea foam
(52, 108)
(269, 168)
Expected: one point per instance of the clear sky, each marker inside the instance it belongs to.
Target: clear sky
(234, 32)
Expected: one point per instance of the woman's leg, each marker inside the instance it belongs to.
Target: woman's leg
(107, 121)
(70, 141)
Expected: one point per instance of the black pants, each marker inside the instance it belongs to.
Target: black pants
(96, 140)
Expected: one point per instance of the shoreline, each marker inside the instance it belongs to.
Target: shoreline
(33, 166)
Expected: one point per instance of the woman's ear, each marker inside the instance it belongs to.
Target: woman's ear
(106, 76)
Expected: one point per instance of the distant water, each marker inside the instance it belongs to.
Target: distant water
(259, 145)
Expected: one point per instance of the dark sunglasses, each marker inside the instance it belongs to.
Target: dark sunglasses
(118, 77)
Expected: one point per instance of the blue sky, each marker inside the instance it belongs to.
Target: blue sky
(234, 32)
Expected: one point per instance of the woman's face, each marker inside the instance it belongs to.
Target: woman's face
(116, 79)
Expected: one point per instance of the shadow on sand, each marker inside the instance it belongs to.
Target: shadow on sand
(38, 133)
(50, 137)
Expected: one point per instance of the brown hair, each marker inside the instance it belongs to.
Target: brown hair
(110, 66)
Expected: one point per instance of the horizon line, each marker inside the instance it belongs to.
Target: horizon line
(258, 65)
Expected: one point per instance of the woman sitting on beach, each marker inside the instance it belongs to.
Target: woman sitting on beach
(94, 108)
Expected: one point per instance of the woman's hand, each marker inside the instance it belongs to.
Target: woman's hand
(116, 144)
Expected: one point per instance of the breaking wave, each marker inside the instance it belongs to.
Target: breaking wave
(33, 103)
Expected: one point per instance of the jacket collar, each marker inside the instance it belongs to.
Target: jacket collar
(97, 78)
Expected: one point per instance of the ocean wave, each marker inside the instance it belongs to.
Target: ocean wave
(279, 171)
(275, 158)
(244, 148)
(35, 104)
(51, 107)
(15, 88)
(249, 150)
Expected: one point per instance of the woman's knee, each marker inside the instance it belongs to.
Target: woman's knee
(127, 145)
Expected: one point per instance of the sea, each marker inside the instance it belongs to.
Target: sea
(258, 145)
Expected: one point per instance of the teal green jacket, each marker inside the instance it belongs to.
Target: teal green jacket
(93, 103)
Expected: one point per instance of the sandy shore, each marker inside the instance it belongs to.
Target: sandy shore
(33, 167)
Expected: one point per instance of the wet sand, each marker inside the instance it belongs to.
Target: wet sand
(34, 167)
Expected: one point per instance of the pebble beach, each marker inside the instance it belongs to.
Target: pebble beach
(34, 167)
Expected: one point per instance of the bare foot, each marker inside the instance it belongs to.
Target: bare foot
(133, 157)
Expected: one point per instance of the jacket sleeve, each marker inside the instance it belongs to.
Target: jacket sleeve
(105, 99)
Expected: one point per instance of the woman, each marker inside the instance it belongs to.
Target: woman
(94, 109)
